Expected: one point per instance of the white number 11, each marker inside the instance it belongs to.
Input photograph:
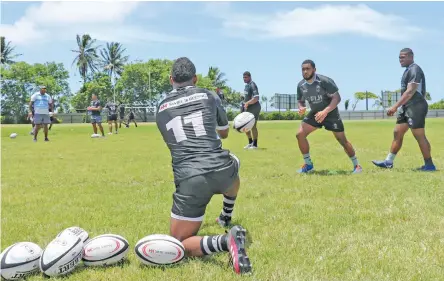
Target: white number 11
(195, 119)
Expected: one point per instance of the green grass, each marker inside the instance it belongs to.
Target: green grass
(380, 225)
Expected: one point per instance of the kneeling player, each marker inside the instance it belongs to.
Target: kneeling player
(323, 97)
(192, 121)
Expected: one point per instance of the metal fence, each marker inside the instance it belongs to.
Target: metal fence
(345, 115)
(379, 114)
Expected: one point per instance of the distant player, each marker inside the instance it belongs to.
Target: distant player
(112, 116)
(251, 104)
(51, 115)
(132, 118)
(94, 110)
(121, 115)
(413, 108)
(192, 121)
(41, 102)
(323, 97)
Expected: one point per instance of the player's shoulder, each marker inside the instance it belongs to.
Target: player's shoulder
(414, 68)
(324, 78)
(302, 82)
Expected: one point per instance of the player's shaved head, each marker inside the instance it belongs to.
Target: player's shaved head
(407, 51)
(310, 62)
(183, 70)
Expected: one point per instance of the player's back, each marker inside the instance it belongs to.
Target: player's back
(187, 119)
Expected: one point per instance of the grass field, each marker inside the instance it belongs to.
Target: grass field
(379, 225)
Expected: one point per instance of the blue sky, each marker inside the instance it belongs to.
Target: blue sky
(356, 44)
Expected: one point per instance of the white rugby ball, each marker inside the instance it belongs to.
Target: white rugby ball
(61, 255)
(75, 231)
(244, 122)
(20, 260)
(159, 249)
(13, 135)
(106, 249)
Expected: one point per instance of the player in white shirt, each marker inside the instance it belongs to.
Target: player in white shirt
(42, 103)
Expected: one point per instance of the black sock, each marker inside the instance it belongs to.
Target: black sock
(255, 142)
(428, 162)
(213, 244)
(250, 140)
(228, 206)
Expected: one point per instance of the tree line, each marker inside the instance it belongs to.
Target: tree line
(109, 72)
(105, 70)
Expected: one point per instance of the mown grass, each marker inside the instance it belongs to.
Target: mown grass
(380, 225)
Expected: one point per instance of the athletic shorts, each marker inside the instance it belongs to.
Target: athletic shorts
(255, 109)
(414, 115)
(51, 118)
(332, 122)
(122, 117)
(112, 117)
(96, 119)
(193, 194)
(41, 119)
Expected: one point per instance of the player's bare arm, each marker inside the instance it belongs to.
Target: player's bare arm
(223, 134)
(335, 100)
(31, 104)
(302, 107)
(408, 94)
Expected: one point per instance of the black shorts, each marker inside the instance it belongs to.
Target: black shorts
(414, 115)
(122, 117)
(51, 118)
(255, 110)
(193, 194)
(112, 117)
(332, 122)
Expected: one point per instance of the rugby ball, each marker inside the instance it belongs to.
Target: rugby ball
(244, 122)
(20, 260)
(61, 255)
(75, 231)
(106, 249)
(159, 249)
(13, 135)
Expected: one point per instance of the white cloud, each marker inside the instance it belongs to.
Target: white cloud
(322, 20)
(63, 20)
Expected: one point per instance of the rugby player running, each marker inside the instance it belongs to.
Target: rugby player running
(322, 94)
(413, 108)
(192, 121)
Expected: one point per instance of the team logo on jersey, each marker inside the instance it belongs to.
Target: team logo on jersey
(318, 88)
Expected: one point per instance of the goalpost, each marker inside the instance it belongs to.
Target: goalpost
(143, 113)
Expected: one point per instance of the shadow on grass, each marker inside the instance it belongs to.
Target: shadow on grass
(331, 172)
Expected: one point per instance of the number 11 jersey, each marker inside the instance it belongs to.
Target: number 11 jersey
(188, 119)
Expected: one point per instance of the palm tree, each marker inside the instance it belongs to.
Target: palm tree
(87, 58)
(113, 59)
(7, 50)
(217, 77)
(264, 99)
(113, 62)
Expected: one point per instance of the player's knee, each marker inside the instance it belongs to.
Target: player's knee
(301, 135)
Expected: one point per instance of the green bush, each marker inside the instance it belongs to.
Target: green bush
(275, 115)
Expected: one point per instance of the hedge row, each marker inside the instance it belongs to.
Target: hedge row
(284, 115)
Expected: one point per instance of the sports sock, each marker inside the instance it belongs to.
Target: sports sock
(228, 206)
(428, 162)
(307, 159)
(354, 160)
(214, 244)
(250, 140)
(390, 157)
(255, 142)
